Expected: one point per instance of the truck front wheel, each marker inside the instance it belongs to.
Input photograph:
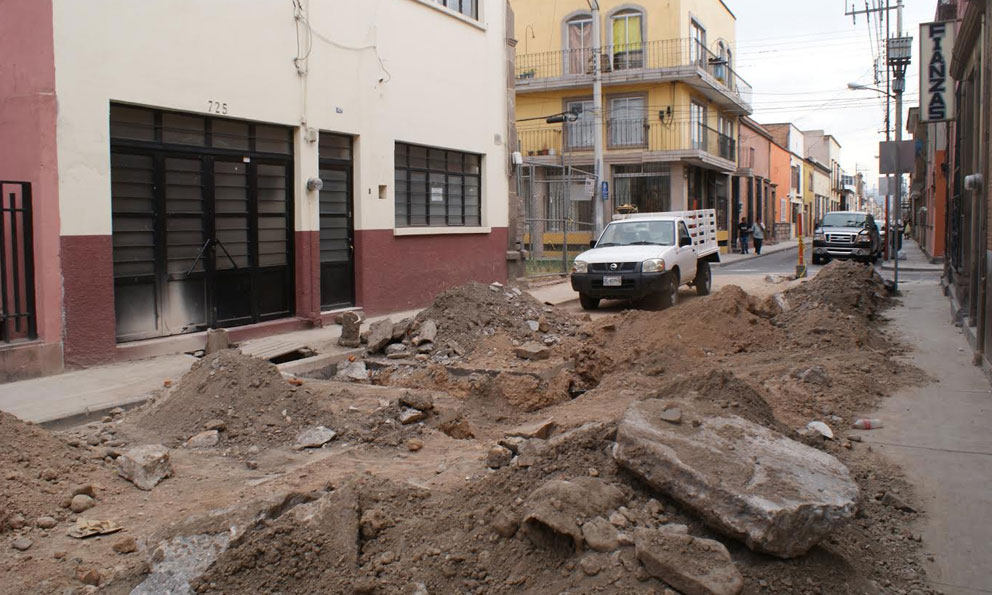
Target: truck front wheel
(588, 302)
(670, 294)
(704, 278)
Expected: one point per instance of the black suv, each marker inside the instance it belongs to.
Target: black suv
(846, 234)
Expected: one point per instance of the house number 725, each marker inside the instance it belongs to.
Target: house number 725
(216, 107)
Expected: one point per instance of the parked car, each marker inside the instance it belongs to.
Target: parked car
(647, 257)
(846, 234)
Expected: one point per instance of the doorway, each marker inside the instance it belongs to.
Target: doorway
(202, 222)
(337, 242)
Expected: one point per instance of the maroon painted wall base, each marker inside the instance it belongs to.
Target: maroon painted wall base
(88, 290)
(396, 273)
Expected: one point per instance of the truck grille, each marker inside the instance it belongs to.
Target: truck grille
(840, 238)
(605, 267)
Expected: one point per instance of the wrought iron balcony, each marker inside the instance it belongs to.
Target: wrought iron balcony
(627, 135)
(674, 59)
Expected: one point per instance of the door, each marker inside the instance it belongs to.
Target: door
(337, 287)
(202, 222)
(686, 254)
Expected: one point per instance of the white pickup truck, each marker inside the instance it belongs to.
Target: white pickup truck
(648, 256)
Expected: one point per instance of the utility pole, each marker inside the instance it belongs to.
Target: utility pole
(597, 113)
(900, 86)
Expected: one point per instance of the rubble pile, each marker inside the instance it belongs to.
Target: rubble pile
(44, 478)
(459, 317)
(231, 398)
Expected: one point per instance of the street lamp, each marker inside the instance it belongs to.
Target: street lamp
(860, 87)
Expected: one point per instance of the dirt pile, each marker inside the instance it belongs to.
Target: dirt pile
(245, 397)
(470, 312)
(848, 287)
(38, 471)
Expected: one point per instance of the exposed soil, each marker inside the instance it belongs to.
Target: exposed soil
(388, 507)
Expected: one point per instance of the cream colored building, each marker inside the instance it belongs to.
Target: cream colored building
(193, 136)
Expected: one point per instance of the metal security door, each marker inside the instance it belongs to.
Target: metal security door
(337, 286)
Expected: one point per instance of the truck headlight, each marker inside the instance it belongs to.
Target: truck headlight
(653, 265)
(818, 236)
(580, 267)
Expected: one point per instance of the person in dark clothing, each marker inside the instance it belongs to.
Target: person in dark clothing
(742, 231)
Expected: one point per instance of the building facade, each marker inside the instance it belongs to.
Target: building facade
(825, 149)
(194, 175)
(791, 138)
(757, 194)
(781, 178)
(671, 101)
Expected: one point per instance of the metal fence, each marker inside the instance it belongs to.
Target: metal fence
(559, 204)
(17, 317)
(626, 133)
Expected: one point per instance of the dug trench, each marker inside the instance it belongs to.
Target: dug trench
(495, 444)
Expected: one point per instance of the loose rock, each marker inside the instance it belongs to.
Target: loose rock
(126, 545)
(351, 328)
(426, 334)
(314, 438)
(380, 334)
(539, 429)
(205, 439)
(46, 522)
(353, 371)
(692, 565)
(21, 544)
(551, 510)
(81, 503)
(410, 415)
(499, 456)
(417, 400)
(600, 535)
(533, 351)
(145, 466)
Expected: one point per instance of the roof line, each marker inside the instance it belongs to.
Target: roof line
(727, 8)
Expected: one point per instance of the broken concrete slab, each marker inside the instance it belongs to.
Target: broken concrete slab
(427, 333)
(532, 351)
(177, 562)
(380, 335)
(402, 328)
(552, 512)
(145, 466)
(776, 495)
(314, 437)
(692, 565)
(539, 429)
(353, 371)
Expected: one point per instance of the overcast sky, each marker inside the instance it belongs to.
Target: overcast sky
(799, 56)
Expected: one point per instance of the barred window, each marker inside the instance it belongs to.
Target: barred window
(469, 8)
(437, 187)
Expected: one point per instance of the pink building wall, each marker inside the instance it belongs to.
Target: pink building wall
(28, 111)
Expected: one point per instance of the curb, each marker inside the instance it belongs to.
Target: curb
(914, 269)
(753, 256)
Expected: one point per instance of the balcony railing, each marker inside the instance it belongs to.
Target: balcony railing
(627, 134)
(668, 54)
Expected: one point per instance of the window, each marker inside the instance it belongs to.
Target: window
(795, 177)
(627, 122)
(437, 187)
(578, 45)
(628, 51)
(697, 125)
(469, 8)
(697, 43)
(580, 134)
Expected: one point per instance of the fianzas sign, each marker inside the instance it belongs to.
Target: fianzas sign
(936, 86)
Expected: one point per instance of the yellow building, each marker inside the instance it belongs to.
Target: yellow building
(671, 103)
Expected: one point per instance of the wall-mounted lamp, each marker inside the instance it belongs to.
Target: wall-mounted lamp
(315, 184)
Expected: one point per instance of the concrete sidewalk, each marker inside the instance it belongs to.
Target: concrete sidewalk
(85, 393)
(735, 257)
(939, 434)
(915, 260)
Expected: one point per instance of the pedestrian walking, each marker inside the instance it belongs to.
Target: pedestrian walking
(758, 234)
(742, 233)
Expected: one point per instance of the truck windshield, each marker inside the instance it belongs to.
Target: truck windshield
(638, 233)
(844, 220)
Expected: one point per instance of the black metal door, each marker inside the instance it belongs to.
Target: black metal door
(337, 285)
(202, 222)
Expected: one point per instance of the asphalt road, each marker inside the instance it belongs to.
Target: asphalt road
(785, 262)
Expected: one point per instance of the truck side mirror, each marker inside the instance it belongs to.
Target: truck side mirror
(683, 241)
(592, 243)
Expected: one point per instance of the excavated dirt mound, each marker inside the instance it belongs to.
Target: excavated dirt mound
(721, 392)
(847, 287)
(248, 395)
(37, 472)
(466, 313)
